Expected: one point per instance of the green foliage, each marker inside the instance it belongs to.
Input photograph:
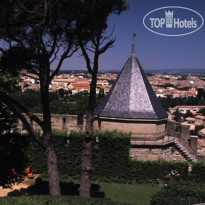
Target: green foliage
(11, 145)
(30, 99)
(53, 200)
(172, 102)
(184, 88)
(197, 128)
(167, 85)
(7, 119)
(198, 170)
(188, 114)
(166, 102)
(178, 117)
(201, 94)
(74, 104)
(61, 92)
(101, 94)
(180, 193)
(110, 81)
(8, 82)
(202, 111)
(111, 161)
(111, 154)
(35, 157)
(11, 157)
(76, 97)
(69, 153)
(183, 77)
(151, 171)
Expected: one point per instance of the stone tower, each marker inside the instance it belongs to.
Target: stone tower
(131, 105)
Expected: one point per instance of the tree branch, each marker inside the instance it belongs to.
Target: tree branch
(2, 50)
(33, 12)
(30, 76)
(108, 45)
(92, 51)
(17, 41)
(107, 37)
(87, 59)
(8, 100)
(55, 54)
(53, 47)
(63, 57)
(25, 123)
(43, 47)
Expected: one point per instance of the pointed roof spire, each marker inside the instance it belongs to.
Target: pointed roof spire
(133, 43)
(132, 96)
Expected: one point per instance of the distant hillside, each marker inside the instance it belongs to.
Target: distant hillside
(197, 71)
(85, 71)
(72, 71)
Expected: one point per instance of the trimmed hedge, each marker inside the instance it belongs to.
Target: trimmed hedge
(198, 172)
(111, 154)
(69, 152)
(180, 193)
(60, 200)
(148, 171)
(111, 161)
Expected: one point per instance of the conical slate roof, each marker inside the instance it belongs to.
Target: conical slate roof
(132, 96)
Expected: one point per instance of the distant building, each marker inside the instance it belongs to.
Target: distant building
(200, 120)
(79, 87)
(184, 108)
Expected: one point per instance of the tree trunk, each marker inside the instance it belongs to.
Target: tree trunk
(86, 167)
(52, 167)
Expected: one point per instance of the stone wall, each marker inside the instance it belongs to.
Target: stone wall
(147, 135)
(59, 122)
(143, 130)
(144, 154)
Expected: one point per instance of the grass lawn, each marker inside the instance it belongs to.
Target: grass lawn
(138, 194)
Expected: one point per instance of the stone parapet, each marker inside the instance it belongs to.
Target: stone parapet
(64, 122)
(144, 154)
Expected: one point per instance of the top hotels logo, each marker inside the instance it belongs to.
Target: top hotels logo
(173, 21)
(169, 19)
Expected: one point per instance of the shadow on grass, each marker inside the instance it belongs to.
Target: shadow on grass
(42, 188)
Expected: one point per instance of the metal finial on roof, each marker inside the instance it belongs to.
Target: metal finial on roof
(133, 43)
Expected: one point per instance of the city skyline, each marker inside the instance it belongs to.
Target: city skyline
(153, 51)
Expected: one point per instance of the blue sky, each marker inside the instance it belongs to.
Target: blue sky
(153, 51)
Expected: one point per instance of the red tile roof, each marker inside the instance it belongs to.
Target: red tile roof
(80, 85)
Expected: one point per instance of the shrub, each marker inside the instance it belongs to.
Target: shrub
(69, 152)
(111, 154)
(111, 160)
(198, 170)
(60, 200)
(180, 193)
(149, 171)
